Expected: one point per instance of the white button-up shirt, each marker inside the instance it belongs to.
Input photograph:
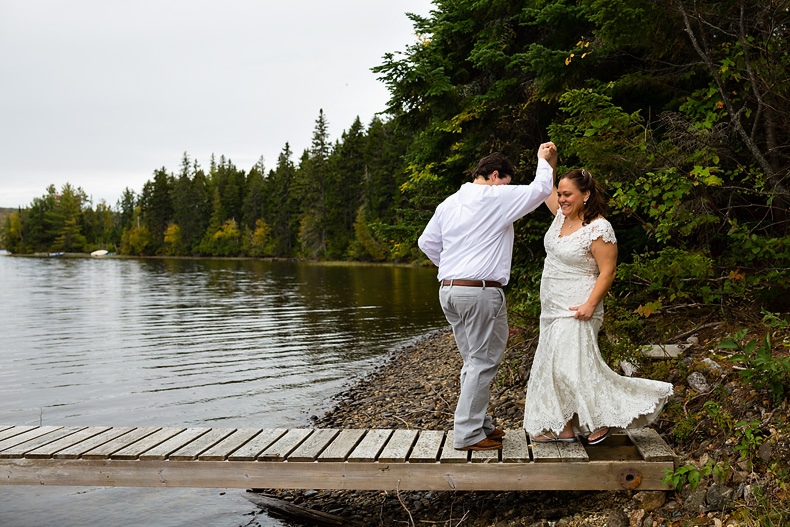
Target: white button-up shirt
(470, 236)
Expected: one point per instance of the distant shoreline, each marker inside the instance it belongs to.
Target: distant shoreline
(261, 258)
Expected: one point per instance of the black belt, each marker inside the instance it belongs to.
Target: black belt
(472, 283)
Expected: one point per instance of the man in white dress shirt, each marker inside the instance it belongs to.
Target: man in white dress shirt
(470, 239)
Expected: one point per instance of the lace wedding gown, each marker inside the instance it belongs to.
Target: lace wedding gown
(569, 379)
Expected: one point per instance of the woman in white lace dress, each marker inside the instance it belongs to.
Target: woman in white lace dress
(570, 385)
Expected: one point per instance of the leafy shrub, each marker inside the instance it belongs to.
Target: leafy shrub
(763, 370)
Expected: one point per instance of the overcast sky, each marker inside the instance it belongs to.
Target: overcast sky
(100, 93)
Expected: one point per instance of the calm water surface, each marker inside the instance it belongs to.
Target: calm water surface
(221, 343)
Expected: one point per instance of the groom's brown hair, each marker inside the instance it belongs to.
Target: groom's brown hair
(496, 161)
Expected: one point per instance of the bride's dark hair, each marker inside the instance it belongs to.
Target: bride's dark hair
(583, 180)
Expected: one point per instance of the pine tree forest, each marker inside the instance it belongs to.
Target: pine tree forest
(680, 109)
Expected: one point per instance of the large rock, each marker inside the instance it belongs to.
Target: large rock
(698, 383)
(636, 518)
(663, 351)
(617, 518)
(719, 497)
(650, 500)
(765, 452)
(712, 366)
(695, 503)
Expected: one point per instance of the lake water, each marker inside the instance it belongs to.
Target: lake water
(187, 342)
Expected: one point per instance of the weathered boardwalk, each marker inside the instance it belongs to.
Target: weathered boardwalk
(302, 458)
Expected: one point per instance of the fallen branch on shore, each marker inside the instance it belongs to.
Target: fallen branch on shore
(289, 510)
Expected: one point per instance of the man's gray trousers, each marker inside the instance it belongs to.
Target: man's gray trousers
(478, 316)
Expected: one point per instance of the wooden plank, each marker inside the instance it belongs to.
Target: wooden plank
(484, 456)
(50, 449)
(340, 476)
(427, 448)
(175, 443)
(73, 452)
(573, 452)
(514, 447)
(33, 433)
(15, 430)
(371, 445)
(544, 452)
(341, 447)
(398, 446)
(650, 445)
(21, 449)
(193, 449)
(5, 427)
(450, 454)
(228, 445)
(313, 445)
(285, 445)
(134, 450)
(105, 450)
(251, 450)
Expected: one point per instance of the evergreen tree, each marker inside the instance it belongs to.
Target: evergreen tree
(191, 208)
(283, 213)
(66, 220)
(39, 231)
(256, 198)
(157, 206)
(385, 171)
(311, 188)
(125, 207)
(345, 179)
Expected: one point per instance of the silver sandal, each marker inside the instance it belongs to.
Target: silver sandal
(598, 439)
(551, 437)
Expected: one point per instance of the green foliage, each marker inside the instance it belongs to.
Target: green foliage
(367, 245)
(685, 427)
(173, 239)
(137, 241)
(11, 233)
(668, 275)
(601, 135)
(751, 439)
(720, 416)
(225, 241)
(763, 369)
(259, 241)
(692, 475)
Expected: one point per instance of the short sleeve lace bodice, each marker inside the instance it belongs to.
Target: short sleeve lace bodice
(573, 250)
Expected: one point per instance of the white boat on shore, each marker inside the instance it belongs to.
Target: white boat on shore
(100, 252)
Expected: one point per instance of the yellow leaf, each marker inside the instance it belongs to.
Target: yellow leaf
(579, 43)
(567, 61)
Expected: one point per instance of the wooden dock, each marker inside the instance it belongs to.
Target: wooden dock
(302, 458)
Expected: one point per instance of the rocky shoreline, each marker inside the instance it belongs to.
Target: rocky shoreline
(417, 387)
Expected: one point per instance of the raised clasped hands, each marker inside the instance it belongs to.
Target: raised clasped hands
(548, 151)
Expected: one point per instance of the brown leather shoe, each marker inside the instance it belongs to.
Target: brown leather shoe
(483, 444)
(497, 434)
